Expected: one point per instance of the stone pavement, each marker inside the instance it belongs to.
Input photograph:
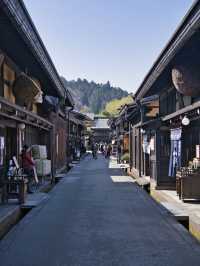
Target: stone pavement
(96, 216)
(190, 208)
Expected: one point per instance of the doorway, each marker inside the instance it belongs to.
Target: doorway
(11, 144)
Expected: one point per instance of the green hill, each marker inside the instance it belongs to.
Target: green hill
(112, 107)
(91, 96)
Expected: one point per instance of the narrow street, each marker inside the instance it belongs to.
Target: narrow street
(97, 216)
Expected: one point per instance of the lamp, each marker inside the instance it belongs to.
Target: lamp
(21, 126)
(185, 121)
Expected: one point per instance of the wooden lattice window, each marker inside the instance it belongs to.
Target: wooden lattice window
(8, 79)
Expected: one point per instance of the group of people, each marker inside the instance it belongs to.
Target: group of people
(104, 148)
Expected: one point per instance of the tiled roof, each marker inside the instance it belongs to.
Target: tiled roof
(101, 123)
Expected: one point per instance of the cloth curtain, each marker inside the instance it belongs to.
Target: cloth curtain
(175, 154)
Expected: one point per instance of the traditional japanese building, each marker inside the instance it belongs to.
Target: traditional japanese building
(32, 96)
(77, 134)
(167, 133)
(122, 126)
(101, 131)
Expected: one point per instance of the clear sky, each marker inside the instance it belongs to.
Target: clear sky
(101, 40)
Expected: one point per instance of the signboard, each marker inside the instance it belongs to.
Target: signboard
(198, 151)
(2, 147)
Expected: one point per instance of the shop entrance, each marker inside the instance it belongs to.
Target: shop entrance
(164, 158)
(11, 144)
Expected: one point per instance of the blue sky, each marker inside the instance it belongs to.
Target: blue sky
(101, 40)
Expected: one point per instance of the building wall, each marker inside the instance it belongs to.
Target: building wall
(59, 141)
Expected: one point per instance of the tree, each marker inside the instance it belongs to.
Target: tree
(114, 106)
(92, 95)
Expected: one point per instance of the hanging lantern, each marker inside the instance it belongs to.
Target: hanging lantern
(185, 121)
(21, 126)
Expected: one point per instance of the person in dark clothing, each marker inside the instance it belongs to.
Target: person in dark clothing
(27, 165)
(94, 150)
(109, 151)
(119, 153)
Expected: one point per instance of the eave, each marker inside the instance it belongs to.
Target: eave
(21, 20)
(185, 30)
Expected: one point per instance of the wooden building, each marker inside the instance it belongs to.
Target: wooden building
(101, 132)
(77, 134)
(166, 129)
(122, 126)
(27, 76)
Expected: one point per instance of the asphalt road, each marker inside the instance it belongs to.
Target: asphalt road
(95, 216)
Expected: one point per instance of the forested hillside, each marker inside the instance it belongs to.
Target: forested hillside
(112, 108)
(91, 96)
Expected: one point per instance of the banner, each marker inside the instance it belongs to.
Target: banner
(175, 154)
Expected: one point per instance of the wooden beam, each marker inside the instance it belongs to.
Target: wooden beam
(1, 59)
(182, 111)
(22, 120)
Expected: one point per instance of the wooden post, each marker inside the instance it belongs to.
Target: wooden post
(52, 137)
(130, 146)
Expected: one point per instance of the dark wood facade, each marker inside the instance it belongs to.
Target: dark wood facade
(168, 95)
(174, 82)
(26, 71)
(101, 132)
(77, 134)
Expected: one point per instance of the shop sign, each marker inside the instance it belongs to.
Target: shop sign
(2, 146)
(198, 151)
(145, 145)
(152, 144)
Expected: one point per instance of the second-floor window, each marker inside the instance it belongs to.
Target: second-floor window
(8, 79)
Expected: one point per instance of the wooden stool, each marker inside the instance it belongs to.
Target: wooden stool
(14, 189)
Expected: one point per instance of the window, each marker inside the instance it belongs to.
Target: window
(8, 79)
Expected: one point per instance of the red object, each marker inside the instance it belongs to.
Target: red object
(27, 161)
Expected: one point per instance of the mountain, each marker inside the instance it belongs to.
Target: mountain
(91, 96)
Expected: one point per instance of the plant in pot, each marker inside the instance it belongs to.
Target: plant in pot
(125, 157)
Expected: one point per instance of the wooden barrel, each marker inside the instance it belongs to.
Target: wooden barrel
(186, 80)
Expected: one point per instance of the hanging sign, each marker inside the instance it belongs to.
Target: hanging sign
(145, 145)
(175, 154)
(152, 144)
(2, 146)
(198, 151)
(2, 143)
(176, 133)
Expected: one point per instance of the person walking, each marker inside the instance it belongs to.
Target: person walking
(102, 148)
(109, 150)
(105, 150)
(94, 150)
(119, 153)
